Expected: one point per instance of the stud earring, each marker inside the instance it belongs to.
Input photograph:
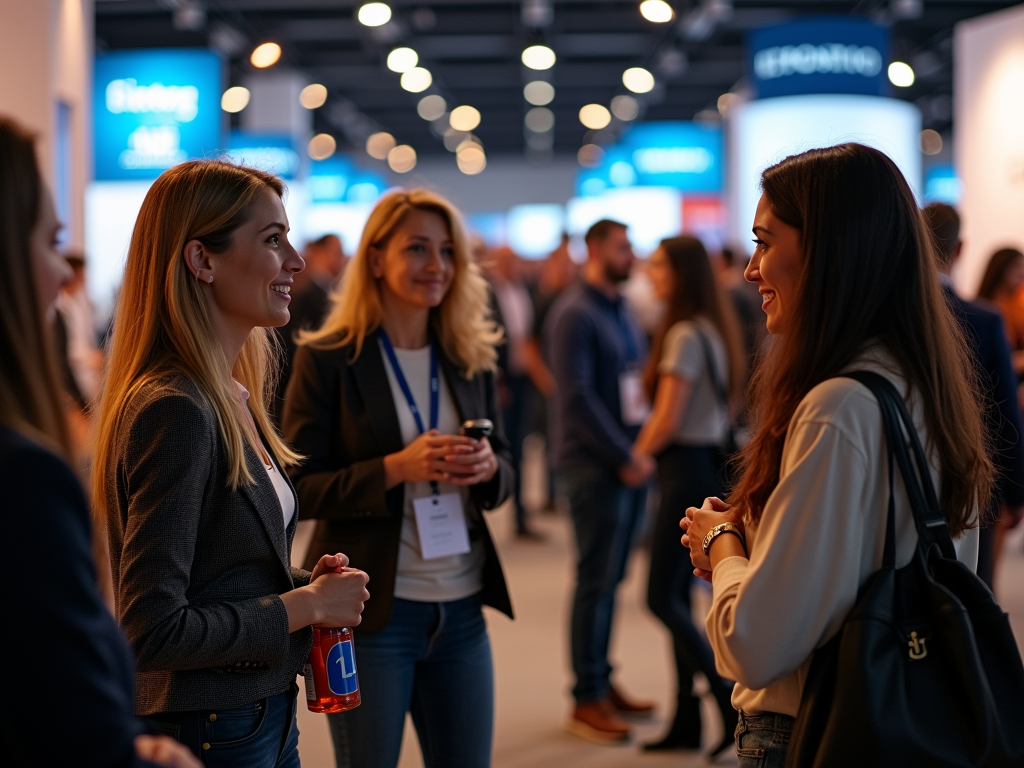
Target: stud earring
(211, 278)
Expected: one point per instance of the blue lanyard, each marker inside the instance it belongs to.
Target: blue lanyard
(404, 385)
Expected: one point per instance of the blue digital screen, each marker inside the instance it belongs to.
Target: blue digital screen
(819, 55)
(338, 180)
(941, 185)
(153, 109)
(274, 153)
(681, 155)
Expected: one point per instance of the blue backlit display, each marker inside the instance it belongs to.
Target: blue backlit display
(274, 152)
(820, 55)
(153, 109)
(683, 156)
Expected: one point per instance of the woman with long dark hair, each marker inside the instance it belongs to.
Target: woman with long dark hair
(848, 279)
(694, 371)
(76, 648)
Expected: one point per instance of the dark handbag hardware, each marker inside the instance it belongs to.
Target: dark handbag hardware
(925, 670)
(728, 450)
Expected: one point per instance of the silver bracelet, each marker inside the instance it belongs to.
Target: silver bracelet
(717, 531)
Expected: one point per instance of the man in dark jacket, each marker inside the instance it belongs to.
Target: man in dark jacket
(987, 339)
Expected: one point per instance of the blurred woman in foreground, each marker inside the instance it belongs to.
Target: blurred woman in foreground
(75, 652)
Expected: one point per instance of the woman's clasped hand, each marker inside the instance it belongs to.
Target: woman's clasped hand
(433, 457)
(698, 522)
(342, 591)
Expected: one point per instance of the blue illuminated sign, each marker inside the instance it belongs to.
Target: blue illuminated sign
(154, 109)
(683, 156)
(941, 185)
(338, 180)
(274, 153)
(821, 55)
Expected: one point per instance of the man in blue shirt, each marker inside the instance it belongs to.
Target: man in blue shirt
(595, 350)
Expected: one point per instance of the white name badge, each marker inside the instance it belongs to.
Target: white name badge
(632, 399)
(442, 525)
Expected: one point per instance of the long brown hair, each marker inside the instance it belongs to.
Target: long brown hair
(869, 274)
(696, 294)
(30, 397)
(163, 326)
(995, 272)
(462, 322)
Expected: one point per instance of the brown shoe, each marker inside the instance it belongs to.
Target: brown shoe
(597, 721)
(629, 707)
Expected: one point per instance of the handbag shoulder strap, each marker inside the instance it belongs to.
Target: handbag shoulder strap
(709, 359)
(899, 430)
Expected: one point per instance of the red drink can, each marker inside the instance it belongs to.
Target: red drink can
(332, 684)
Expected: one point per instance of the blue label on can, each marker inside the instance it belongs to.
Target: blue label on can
(341, 669)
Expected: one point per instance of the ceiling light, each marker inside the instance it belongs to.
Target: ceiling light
(464, 118)
(901, 75)
(379, 144)
(590, 155)
(322, 146)
(431, 107)
(540, 119)
(416, 80)
(234, 99)
(931, 142)
(374, 14)
(468, 142)
(313, 96)
(265, 55)
(539, 57)
(402, 59)
(402, 158)
(471, 160)
(539, 93)
(625, 108)
(657, 11)
(453, 139)
(638, 80)
(595, 117)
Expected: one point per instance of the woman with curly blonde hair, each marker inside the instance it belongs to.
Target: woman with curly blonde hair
(375, 402)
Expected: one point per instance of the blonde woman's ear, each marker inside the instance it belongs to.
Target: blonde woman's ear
(375, 268)
(197, 261)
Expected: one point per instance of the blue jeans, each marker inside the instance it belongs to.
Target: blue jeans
(606, 515)
(762, 740)
(433, 660)
(263, 734)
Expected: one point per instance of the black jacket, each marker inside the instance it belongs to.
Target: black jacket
(71, 654)
(198, 568)
(340, 415)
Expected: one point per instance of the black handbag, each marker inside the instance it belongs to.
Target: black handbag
(925, 670)
(725, 453)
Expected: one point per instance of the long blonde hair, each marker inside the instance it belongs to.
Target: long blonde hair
(30, 398)
(163, 327)
(462, 322)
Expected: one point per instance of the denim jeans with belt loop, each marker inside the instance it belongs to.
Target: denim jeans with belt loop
(763, 740)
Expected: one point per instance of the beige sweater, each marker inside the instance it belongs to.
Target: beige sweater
(820, 537)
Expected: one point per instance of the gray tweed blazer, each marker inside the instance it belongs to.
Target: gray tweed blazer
(198, 568)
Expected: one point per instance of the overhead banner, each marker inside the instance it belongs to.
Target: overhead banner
(681, 155)
(819, 55)
(154, 109)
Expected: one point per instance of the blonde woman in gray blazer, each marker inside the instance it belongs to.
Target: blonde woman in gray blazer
(190, 474)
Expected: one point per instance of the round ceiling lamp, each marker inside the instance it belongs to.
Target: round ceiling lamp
(321, 146)
(234, 99)
(402, 59)
(595, 116)
(416, 80)
(539, 57)
(374, 14)
(265, 55)
(431, 107)
(464, 118)
(539, 93)
(379, 144)
(657, 11)
(402, 158)
(313, 96)
(638, 80)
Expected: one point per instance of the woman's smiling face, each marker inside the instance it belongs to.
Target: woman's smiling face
(775, 267)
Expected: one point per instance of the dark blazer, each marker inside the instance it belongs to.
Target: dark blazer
(340, 415)
(72, 650)
(198, 568)
(987, 337)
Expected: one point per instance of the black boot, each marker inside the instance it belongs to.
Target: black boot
(730, 718)
(685, 730)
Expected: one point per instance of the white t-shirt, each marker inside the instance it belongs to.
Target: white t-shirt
(284, 492)
(441, 579)
(706, 418)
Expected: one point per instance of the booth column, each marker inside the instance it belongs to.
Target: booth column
(989, 151)
(46, 88)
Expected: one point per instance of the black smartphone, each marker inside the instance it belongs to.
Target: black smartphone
(476, 428)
